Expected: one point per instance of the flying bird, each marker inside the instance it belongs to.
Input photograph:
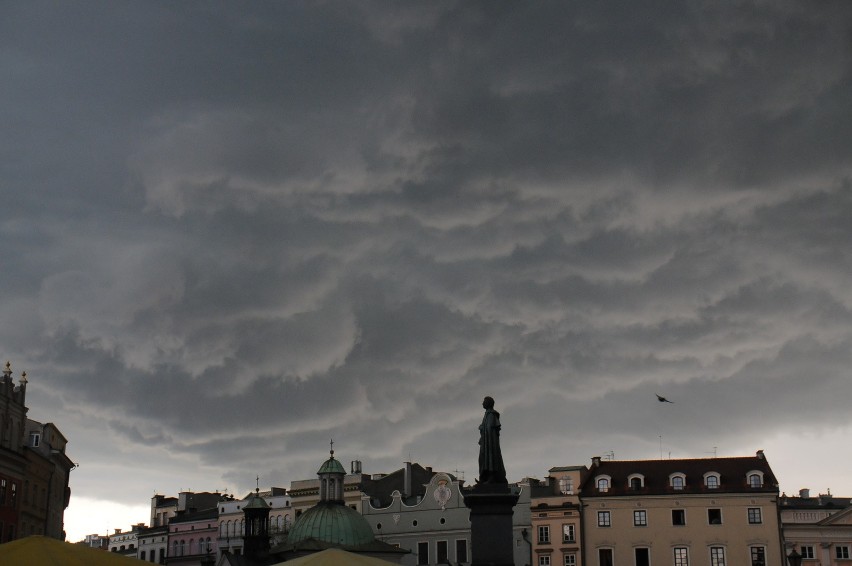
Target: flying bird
(662, 399)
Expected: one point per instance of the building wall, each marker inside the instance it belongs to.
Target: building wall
(231, 521)
(13, 413)
(556, 518)
(819, 528)
(439, 520)
(681, 512)
(660, 536)
(193, 537)
(153, 544)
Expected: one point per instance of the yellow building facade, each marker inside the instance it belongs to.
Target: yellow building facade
(695, 512)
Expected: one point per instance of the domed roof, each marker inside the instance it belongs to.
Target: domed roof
(256, 502)
(331, 466)
(333, 523)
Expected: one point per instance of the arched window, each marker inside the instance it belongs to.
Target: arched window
(182, 547)
(635, 481)
(175, 549)
(677, 481)
(755, 480)
(711, 481)
(209, 545)
(603, 485)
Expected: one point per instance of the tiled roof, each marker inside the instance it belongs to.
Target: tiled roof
(732, 476)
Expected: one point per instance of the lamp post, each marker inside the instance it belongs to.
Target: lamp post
(794, 558)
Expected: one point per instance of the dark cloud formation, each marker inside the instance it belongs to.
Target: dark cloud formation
(231, 233)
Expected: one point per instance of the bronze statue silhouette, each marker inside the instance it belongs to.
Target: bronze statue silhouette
(491, 469)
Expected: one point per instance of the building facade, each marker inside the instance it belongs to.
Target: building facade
(193, 537)
(556, 517)
(34, 469)
(13, 462)
(819, 528)
(232, 520)
(430, 520)
(153, 544)
(697, 512)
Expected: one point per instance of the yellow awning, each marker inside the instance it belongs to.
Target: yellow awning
(335, 557)
(44, 551)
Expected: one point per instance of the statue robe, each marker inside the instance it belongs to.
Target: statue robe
(491, 469)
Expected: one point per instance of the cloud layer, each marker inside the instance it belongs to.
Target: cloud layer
(232, 234)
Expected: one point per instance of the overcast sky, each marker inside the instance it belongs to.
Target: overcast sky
(231, 232)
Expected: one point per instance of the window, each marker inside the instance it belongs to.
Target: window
(681, 556)
(640, 518)
(175, 549)
(461, 550)
(604, 557)
(758, 556)
(543, 534)
(423, 553)
(442, 552)
(807, 552)
(566, 485)
(642, 557)
(712, 482)
(677, 482)
(13, 497)
(142, 555)
(755, 480)
(2, 492)
(717, 556)
(678, 517)
(841, 552)
(570, 560)
(604, 519)
(714, 516)
(544, 560)
(35, 438)
(603, 485)
(568, 533)
(754, 516)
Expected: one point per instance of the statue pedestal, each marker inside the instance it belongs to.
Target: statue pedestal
(491, 539)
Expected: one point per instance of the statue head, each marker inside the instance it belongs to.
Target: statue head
(488, 403)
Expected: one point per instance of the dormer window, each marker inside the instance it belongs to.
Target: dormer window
(636, 481)
(677, 481)
(755, 479)
(711, 480)
(566, 485)
(603, 484)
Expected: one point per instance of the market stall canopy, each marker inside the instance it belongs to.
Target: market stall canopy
(335, 557)
(39, 550)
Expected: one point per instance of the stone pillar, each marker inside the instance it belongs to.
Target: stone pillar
(491, 535)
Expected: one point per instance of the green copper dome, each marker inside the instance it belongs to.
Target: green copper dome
(256, 502)
(333, 523)
(331, 466)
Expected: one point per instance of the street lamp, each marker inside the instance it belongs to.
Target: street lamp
(794, 558)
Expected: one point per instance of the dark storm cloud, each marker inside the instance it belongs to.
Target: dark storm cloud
(230, 235)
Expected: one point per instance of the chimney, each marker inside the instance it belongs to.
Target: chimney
(596, 461)
(804, 493)
(355, 466)
(760, 455)
(406, 486)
